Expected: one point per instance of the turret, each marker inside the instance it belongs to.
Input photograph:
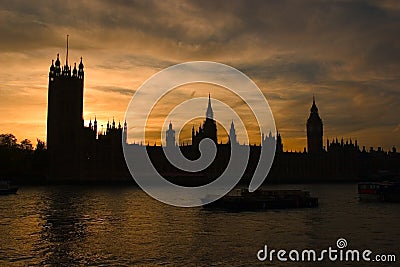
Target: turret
(125, 133)
(58, 65)
(75, 71)
(81, 73)
(52, 70)
(170, 136)
(279, 144)
(95, 125)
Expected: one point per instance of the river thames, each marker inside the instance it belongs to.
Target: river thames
(100, 226)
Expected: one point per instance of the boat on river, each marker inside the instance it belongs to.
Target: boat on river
(262, 199)
(6, 188)
(387, 191)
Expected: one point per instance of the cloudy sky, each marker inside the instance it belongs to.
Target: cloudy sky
(346, 53)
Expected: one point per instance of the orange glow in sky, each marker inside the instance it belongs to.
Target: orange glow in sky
(347, 55)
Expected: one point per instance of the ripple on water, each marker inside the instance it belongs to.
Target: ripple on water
(123, 226)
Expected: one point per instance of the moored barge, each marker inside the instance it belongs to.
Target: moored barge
(262, 199)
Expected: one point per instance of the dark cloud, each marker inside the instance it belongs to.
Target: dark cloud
(383, 57)
(345, 52)
(113, 89)
(201, 27)
(126, 61)
(291, 69)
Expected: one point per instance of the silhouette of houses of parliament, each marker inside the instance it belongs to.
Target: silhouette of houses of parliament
(86, 153)
(208, 129)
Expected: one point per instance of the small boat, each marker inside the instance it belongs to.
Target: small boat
(262, 199)
(6, 188)
(379, 191)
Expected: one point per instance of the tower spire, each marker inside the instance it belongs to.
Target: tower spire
(314, 108)
(210, 112)
(232, 134)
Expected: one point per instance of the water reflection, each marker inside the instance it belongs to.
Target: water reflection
(64, 226)
(68, 226)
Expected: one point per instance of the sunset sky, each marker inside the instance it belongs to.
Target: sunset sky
(346, 53)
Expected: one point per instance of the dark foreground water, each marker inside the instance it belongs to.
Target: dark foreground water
(70, 226)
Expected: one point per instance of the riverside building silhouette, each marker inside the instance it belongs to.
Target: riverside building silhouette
(65, 117)
(79, 153)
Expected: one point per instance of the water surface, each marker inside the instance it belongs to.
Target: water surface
(71, 225)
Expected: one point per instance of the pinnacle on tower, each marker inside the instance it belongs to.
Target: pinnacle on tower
(210, 112)
(74, 72)
(52, 65)
(66, 57)
(58, 60)
(81, 64)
